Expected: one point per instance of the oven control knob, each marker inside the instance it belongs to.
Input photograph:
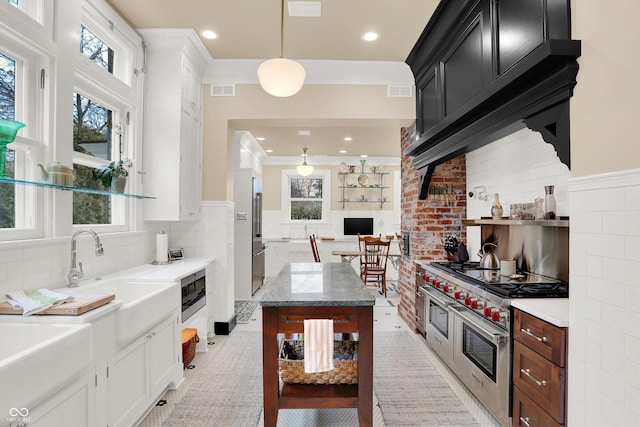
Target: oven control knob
(477, 304)
(487, 311)
(498, 316)
(471, 302)
(437, 284)
(446, 288)
(425, 277)
(459, 295)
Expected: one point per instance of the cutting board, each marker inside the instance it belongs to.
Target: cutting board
(81, 304)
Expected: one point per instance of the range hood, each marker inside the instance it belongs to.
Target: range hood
(486, 68)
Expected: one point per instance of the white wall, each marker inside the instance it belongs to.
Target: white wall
(517, 167)
(604, 337)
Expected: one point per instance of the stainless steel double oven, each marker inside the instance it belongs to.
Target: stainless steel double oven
(477, 351)
(467, 323)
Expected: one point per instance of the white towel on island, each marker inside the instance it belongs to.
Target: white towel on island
(318, 345)
(33, 301)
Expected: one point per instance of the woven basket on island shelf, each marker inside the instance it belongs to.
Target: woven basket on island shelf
(345, 362)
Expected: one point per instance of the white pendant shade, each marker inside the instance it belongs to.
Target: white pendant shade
(305, 169)
(281, 77)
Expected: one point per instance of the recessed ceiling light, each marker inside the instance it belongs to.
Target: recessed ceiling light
(363, 155)
(304, 132)
(208, 34)
(260, 138)
(269, 151)
(347, 138)
(370, 36)
(342, 151)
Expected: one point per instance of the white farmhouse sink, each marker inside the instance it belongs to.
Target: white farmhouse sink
(144, 304)
(36, 360)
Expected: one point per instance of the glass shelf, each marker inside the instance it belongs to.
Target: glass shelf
(71, 188)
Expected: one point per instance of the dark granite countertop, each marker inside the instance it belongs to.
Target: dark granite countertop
(317, 284)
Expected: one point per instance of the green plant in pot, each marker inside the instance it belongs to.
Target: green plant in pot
(114, 175)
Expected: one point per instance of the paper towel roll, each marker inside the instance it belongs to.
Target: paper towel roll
(162, 247)
(507, 267)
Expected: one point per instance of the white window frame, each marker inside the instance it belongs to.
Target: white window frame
(325, 175)
(120, 220)
(29, 144)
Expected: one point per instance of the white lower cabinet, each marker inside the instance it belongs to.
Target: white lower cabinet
(140, 372)
(70, 407)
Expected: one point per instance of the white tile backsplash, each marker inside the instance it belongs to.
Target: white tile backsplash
(604, 337)
(517, 167)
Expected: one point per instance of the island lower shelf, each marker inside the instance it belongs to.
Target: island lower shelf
(347, 319)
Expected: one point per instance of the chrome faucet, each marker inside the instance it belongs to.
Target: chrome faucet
(76, 274)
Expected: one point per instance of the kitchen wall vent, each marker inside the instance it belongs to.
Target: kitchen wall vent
(223, 90)
(304, 8)
(399, 91)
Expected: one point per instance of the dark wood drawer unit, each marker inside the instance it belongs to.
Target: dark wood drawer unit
(539, 372)
(540, 379)
(527, 414)
(542, 337)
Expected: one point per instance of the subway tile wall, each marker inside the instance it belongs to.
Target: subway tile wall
(604, 337)
(517, 167)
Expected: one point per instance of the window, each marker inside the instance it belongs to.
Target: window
(93, 146)
(306, 198)
(95, 49)
(17, 206)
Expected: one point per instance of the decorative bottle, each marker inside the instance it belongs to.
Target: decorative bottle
(496, 208)
(549, 203)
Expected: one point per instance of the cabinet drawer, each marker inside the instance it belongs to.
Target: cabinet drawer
(527, 414)
(539, 379)
(543, 337)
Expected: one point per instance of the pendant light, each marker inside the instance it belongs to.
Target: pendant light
(280, 76)
(304, 169)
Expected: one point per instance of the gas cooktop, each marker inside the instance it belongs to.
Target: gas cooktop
(520, 285)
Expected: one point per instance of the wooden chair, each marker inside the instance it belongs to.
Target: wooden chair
(314, 248)
(361, 248)
(375, 266)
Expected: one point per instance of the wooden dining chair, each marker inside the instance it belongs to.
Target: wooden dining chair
(375, 266)
(314, 248)
(361, 248)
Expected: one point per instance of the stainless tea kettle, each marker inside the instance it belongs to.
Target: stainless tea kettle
(489, 260)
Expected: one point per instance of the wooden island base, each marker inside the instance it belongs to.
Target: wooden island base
(287, 317)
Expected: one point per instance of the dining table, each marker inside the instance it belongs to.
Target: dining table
(350, 255)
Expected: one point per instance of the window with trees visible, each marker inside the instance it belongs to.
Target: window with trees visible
(7, 112)
(97, 134)
(95, 49)
(92, 126)
(306, 198)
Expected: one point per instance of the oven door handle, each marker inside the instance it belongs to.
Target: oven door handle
(496, 338)
(432, 294)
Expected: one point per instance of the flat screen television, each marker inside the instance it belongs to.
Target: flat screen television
(353, 226)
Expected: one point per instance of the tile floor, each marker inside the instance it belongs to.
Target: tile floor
(385, 319)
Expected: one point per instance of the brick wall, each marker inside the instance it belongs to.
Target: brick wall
(427, 221)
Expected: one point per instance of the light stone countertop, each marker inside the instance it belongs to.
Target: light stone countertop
(172, 272)
(317, 284)
(552, 310)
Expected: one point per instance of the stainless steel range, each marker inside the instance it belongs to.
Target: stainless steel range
(467, 323)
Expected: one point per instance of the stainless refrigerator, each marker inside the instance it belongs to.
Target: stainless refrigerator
(257, 245)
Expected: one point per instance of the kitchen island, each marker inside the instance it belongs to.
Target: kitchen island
(317, 291)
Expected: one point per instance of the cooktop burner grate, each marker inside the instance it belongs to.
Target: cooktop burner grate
(522, 285)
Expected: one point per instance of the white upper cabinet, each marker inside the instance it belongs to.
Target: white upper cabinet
(172, 144)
